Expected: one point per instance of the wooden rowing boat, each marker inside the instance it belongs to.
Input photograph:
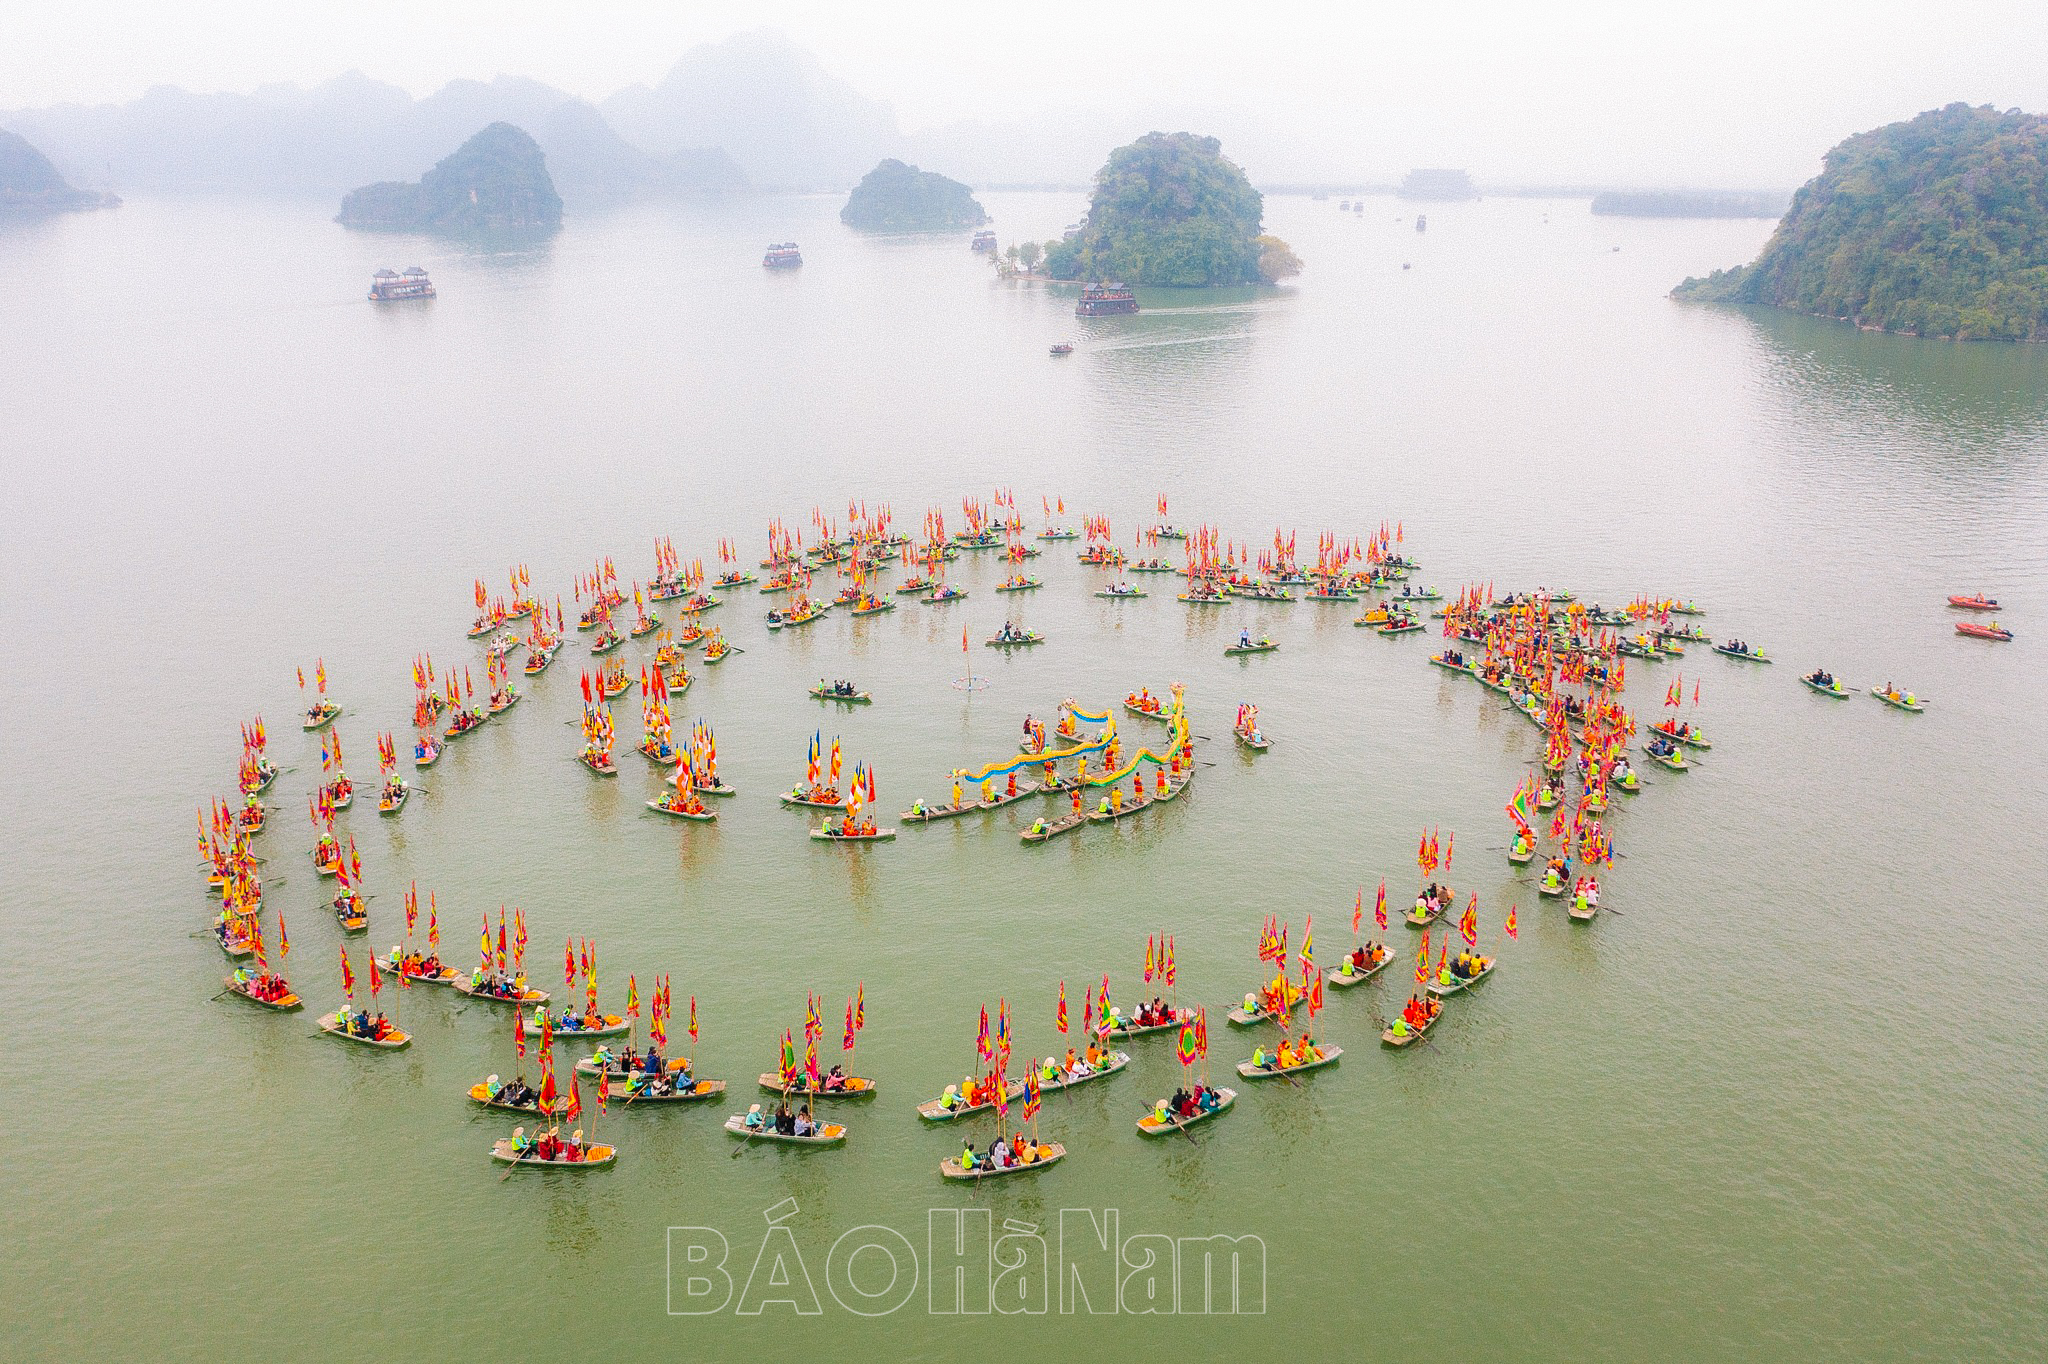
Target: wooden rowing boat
(1391, 1038)
(828, 1134)
(934, 599)
(1264, 646)
(610, 768)
(322, 719)
(1674, 761)
(1134, 1030)
(1118, 1060)
(481, 1093)
(1692, 740)
(284, 1003)
(1002, 798)
(935, 1110)
(1440, 987)
(1835, 692)
(687, 1094)
(1046, 1153)
(1901, 701)
(856, 1088)
(394, 806)
(1149, 1126)
(1114, 813)
(797, 800)
(1747, 656)
(612, 1026)
(1027, 585)
(1109, 594)
(1339, 980)
(1520, 855)
(332, 1026)
(937, 812)
(446, 976)
(700, 816)
(859, 698)
(1269, 1072)
(1162, 714)
(1054, 828)
(593, 1158)
(462, 986)
(1423, 920)
(1029, 637)
(1584, 912)
(878, 836)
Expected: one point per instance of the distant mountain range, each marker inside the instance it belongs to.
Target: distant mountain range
(29, 184)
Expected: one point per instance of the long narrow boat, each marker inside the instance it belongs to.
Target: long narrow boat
(935, 1110)
(878, 836)
(1980, 602)
(1045, 1153)
(1264, 646)
(1834, 691)
(1746, 655)
(482, 1094)
(612, 1026)
(320, 716)
(1121, 1029)
(1674, 761)
(686, 1094)
(447, 975)
(1002, 798)
(1694, 739)
(331, 1025)
(1149, 1126)
(461, 985)
(1118, 1060)
(1402, 626)
(857, 1087)
(1991, 631)
(1256, 744)
(796, 799)
(595, 1157)
(1901, 700)
(1128, 594)
(1044, 831)
(859, 698)
(937, 812)
(1391, 1038)
(284, 1003)
(1162, 715)
(700, 816)
(1025, 640)
(1440, 987)
(828, 1134)
(1339, 980)
(1114, 813)
(1270, 1072)
(1025, 586)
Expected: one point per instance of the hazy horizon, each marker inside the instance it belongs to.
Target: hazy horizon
(1729, 94)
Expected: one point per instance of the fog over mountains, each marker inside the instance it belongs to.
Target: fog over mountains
(754, 111)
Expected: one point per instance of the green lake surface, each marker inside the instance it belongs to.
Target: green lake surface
(1788, 1102)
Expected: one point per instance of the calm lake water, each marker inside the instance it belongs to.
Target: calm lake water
(1790, 1100)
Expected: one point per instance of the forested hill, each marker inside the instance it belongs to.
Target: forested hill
(1937, 226)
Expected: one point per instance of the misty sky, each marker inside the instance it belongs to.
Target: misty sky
(1658, 91)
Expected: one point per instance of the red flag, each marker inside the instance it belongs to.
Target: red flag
(519, 1033)
(1511, 923)
(1059, 1016)
(348, 976)
(575, 1108)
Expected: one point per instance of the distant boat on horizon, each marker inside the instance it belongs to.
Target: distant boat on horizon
(393, 286)
(782, 256)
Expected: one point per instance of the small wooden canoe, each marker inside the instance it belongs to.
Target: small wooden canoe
(935, 1110)
(332, 1026)
(1255, 745)
(1692, 740)
(1054, 828)
(1024, 640)
(857, 1087)
(448, 975)
(1521, 856)
(875, 610)
(321, 719)
(1027, 585)
(878, 836)
(1209, 599)
(284, 1003)
(1111, 815)
(1163, 715)
(1401, 1039)
(1674, 761)
(828, 1134)
(1902, 701)
(1270, 1072)
(1134, 1030)
(1108, 594)
(1836, 692)
(610, 768)
(1149, 1126)
(686, 1094)
(593, 1157)
(1544, 887)
(462, 986)
(701, 816)
(1582, 913)
(1002, 798)
(481, 1093)
(1047, 1153)
(351, 920)
(393, 807)
(1399, 627)
(1264, 646)
(1749, 656)
(937, 812)
(612, 1026)
(1339, 980)
(1118, 1060)
(1440, 987)
(1423, 920)
(934, 599)
(859, 698)
(793, 800)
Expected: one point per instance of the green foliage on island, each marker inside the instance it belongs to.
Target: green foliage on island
(894, 197)
(1937, 226)
(1690, 203)
(29, 184)
(495, 182)
(1170, 209)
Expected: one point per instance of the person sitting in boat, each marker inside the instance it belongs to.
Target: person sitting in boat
(753, 1118)
(802, 1125)
(835, 1079)
(968, 1158)
(950, 1100)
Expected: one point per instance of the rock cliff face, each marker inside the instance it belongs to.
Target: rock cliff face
(1937, 226)
(30, 184)
(894, 197)
(495, 182)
